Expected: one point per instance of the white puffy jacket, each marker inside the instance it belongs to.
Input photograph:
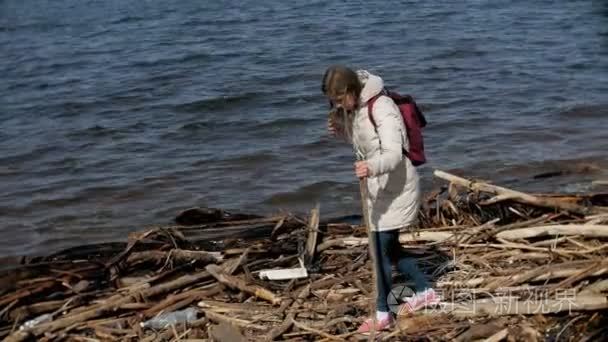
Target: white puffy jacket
(393, 187)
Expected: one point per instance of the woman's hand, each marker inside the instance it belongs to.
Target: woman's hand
(362, 169)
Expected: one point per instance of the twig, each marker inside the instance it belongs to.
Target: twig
(318, 332)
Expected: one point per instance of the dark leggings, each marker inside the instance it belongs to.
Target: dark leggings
(388, 250)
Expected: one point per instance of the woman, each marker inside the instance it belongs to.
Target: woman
(392, 180)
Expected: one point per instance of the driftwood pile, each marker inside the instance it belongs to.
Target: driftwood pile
(508, 265)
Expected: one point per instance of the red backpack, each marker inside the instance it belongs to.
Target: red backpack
(414, 122)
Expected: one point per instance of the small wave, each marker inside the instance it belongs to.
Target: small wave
(458, 53)
(193, 58)
(298, 99)
(72, 108)
(33, 154)
(95, 131)
(542, 174)
(127, 19)
(586, 111)
(196, 126)
(217, 103)
(242, 161)
(285, 123)
(309, 193)
(319, 146)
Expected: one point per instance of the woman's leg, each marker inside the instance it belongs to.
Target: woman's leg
(425, 295)
(382, 252)
(384, 242)
(409, 266)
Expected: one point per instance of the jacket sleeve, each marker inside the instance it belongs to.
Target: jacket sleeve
(389, 126)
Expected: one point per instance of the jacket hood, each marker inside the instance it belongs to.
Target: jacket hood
(372, 85)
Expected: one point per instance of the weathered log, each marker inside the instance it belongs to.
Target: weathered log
(572, 229)
(404, 238)
(595, 288)
(504, 306)
(555, 271)
(179, 255)
(504, 193)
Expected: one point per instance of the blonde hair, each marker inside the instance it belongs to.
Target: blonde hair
(339, 80)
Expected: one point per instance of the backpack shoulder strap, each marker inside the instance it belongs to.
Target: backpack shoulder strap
(370, 106)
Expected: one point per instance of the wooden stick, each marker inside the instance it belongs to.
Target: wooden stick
(237, 283)
(288, 322)
(218, 317)
(313, 233)
(190, 296)
(372, 252)
(231, 266)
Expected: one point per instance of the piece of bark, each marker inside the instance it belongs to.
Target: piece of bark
(497, 337)
(513, 195)
(239, 284)
(570, 229)
(225, 332)
(478, 331)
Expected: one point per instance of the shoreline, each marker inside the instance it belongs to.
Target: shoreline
(476, 239)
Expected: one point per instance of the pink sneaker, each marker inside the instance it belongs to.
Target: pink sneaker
(427, 297)
(383, 324)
